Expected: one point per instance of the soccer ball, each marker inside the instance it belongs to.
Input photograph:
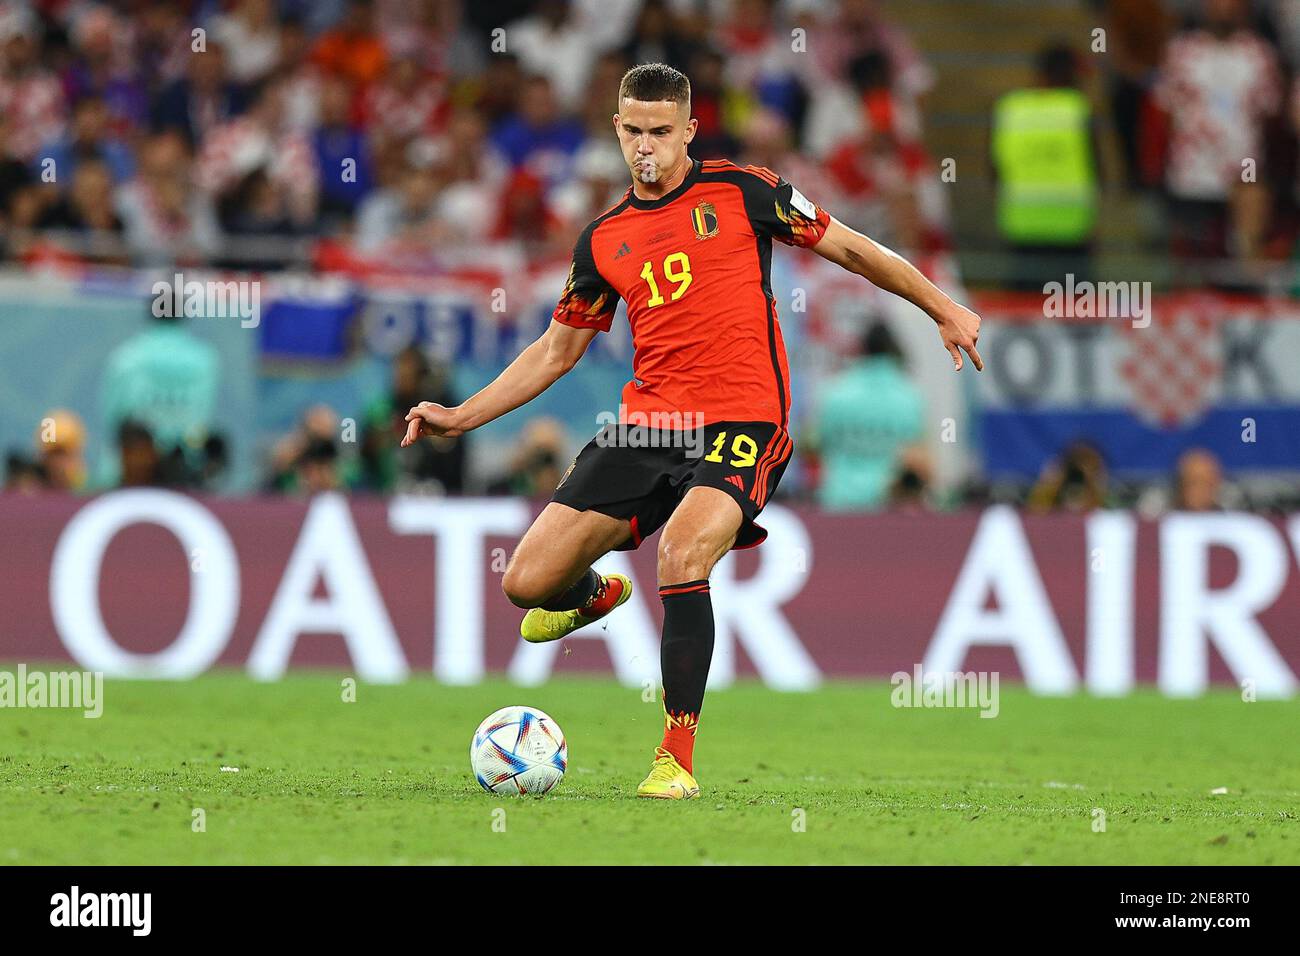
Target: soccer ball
(518, 750)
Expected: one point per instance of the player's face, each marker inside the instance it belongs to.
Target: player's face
(653, 136)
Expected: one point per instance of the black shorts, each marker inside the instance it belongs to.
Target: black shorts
(639, 474)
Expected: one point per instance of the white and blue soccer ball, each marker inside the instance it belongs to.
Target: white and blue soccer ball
(518, 750)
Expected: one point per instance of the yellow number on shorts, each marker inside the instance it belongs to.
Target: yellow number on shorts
(744, 448)
(746, 451)
(682, 276)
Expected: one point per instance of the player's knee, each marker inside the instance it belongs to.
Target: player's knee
(684, 559)
(524, 587)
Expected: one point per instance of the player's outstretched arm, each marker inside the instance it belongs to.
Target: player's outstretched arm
(532, 372)
(959, 327)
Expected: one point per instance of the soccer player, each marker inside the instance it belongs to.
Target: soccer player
(702, 438)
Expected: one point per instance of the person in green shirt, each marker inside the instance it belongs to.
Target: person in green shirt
(164, 378)
(869, 414)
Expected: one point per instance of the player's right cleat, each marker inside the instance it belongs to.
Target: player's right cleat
(540, 625)
(668, 780)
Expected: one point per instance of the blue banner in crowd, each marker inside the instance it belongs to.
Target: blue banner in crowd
(1190, 371)
(455, 320)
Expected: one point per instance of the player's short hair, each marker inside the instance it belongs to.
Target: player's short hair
(653, 82)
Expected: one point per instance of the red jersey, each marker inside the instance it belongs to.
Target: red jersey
(694, 267)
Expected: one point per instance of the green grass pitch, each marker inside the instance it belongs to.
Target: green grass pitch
(385, 779)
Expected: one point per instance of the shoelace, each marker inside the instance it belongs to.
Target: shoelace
(665, 766)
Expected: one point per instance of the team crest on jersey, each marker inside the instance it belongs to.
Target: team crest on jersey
(704, 218)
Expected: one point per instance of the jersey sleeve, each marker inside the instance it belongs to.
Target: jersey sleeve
(588, 301)
(777, 209)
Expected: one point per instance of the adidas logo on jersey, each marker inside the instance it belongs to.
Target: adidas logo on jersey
(737, 481)
(622, 251)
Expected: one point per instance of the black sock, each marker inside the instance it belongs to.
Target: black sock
(577, 595)
(687, 647)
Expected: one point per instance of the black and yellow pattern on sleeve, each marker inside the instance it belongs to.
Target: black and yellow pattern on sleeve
(779, 210)
(588, 301)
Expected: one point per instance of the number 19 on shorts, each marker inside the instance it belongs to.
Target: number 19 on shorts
(744, 450)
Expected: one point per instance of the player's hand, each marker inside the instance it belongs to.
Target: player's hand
(428, 420)
(959, 328)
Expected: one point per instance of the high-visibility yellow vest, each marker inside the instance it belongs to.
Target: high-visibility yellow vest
(1047, 181)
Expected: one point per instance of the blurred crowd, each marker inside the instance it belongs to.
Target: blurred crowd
(865, 448)
(154, 132)
(862, 450)
(1205, 97)
(262, 134)
(1201, 99)
(159, 398)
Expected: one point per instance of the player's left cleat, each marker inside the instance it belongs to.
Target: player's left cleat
(540, 625)
(668, 780)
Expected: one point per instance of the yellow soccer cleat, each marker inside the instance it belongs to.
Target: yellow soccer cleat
(668, 780)
(540, 625)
